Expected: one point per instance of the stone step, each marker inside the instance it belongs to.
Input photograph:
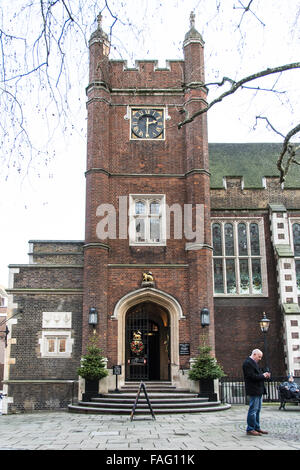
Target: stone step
(102, 410)
(155, 386)
(163, 396)
(144, 404)
(149, 384)
(151, 390)
(131, 399)
(152, 395)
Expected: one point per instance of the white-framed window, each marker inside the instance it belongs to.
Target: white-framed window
(56, 340)
(295, 237)
(56, 344)
(147, 219)
(239, 261)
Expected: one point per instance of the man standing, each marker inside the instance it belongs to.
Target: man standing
(254, 384)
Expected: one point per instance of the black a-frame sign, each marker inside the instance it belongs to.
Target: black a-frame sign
(141, 387)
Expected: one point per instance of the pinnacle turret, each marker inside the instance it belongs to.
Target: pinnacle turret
(193, 34)
(99, 33)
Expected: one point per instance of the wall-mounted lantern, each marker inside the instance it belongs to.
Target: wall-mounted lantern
(204, 317)
(93, 316)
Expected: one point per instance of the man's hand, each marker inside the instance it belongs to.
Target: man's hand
(267, 375)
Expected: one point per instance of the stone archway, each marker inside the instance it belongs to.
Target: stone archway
(162, 299)
(147, 343)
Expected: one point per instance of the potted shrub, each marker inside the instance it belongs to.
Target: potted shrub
(205, 369)
(92, 369)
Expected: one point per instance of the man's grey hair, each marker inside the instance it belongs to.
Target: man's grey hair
(256, 351)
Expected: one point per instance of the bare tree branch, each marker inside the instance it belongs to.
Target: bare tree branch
(269, 124)
(40, 41)
(237, 85)
(289, 149)
(246, 9)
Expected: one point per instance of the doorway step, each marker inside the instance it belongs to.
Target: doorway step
(164, 398)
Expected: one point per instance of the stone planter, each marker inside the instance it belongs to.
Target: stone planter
(207, 389)
(91, 389)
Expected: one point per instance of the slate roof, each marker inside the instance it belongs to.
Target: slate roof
(252, 161)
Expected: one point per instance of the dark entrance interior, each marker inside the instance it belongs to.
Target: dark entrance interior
(147, 342)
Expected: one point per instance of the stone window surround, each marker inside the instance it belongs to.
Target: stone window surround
(56, 326)
(56, 336)
(132, 216)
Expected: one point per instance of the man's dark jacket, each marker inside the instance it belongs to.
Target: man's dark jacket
(254, 379)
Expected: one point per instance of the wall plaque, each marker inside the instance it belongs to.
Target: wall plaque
(184, 349)
(117, 370)
(56, 320)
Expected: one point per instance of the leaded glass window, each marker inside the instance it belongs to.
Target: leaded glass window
(140, 207)
(254, 239)
(296, 239)
(237, 257)
(230, 276)
(217, 239)
(242, 240)
(296, 243)
(147, 220)
(298, 274)
(244, 276)
(139, 230)
(229, 247)
(256, 276)
(218, 276)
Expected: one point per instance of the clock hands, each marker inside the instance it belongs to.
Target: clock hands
(148, 123)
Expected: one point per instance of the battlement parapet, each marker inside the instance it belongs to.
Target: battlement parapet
(146, 73)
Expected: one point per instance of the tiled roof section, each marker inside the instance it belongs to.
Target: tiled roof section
(252, 161)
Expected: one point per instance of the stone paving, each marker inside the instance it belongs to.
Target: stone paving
(223, 430)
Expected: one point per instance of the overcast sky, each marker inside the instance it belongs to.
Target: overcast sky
(48, 202)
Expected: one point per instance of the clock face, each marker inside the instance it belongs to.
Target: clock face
(147, 123)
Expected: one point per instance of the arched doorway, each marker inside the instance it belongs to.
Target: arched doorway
(147, 342)
(175, 314)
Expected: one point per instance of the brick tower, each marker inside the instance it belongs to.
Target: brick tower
(147, 252)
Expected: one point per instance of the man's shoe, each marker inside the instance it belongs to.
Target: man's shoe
(262, 432)
(253, 433)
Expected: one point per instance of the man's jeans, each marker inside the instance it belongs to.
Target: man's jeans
(253, 413)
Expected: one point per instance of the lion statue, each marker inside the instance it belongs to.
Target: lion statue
(148, 277)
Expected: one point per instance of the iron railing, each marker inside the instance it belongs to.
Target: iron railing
(232, 390)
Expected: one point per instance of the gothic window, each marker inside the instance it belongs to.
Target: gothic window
(147, 220)
(238, 264)
(296, 239)
(296, 243)
(297, 262)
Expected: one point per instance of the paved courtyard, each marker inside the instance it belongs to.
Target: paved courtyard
(224, 430)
